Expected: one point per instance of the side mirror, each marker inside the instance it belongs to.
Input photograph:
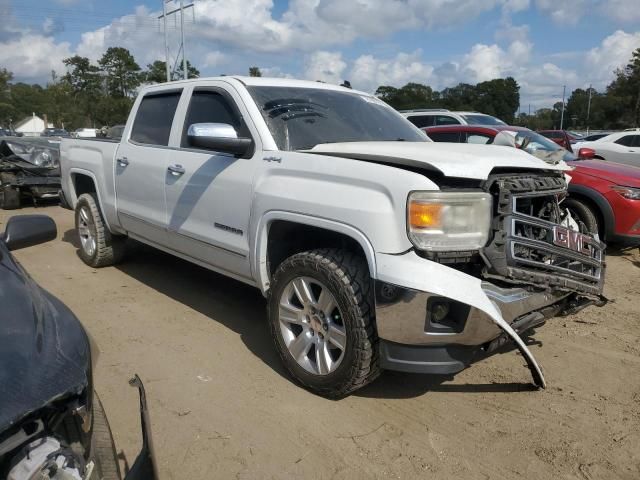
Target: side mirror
(220, 137)
(586, 153)
(27, 230)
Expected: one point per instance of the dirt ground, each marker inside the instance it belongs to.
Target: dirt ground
(222, 406)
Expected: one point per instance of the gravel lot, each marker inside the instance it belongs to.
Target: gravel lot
(222, 406)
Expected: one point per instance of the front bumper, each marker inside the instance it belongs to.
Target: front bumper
(407, 292)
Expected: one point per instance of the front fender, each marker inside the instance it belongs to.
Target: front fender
(259, 266)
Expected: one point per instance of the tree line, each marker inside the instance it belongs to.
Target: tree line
(102, 93)
(615, 108)
(88, 94)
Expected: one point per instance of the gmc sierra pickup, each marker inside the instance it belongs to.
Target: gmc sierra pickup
(375, 247)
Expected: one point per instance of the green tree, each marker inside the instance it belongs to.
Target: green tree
(192, 72)
(254, 72)
(123, 74)
(499, 97)
(157, 72)
(6, 106)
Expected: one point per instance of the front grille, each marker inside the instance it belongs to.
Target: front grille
(529, 243)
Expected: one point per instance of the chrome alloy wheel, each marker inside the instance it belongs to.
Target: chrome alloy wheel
(312, 326)
(87, 231)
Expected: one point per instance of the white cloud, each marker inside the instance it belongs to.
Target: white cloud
(623, 11)
(33, 57)
(368, 72)
(214, 59)
(565, 12)
(614, 52)
(326, 66)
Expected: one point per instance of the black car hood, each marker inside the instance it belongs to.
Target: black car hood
(44, 351)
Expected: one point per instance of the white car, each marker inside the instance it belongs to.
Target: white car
(432, 117)
(85, 133)
(620, 147)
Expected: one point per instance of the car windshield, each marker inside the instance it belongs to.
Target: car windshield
(301, 118)
(542, 147)
(482, 119)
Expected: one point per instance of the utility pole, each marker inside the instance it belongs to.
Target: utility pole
(588, 109)
(164, 16)
(564, 91)
(166, 41)
(184, 47)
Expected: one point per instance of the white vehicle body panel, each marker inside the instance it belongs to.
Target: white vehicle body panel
(607, 148)
(451, 159)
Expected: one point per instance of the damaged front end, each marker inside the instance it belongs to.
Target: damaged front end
(29, 170)
(438, 312)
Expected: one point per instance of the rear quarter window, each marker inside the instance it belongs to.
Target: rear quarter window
(152, 125)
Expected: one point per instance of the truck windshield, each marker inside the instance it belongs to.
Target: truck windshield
(301, 118)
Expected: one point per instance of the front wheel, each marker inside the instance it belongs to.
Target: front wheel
(582, 212)
(321, 314)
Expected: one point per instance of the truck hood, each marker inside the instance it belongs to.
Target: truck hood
(450, 159)
(617, 173)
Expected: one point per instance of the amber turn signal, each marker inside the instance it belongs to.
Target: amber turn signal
(425, 215)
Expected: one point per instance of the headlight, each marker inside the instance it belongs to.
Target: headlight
(44, 157)
(627, 192)
(446, 221)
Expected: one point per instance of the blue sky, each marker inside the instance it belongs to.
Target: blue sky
(544, 44)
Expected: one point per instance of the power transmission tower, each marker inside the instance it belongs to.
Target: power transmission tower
(164, 16)
(564, 92)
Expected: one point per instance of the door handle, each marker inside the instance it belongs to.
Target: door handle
(176, 169)
(123, 161)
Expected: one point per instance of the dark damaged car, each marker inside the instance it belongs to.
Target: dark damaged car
(29, 171)
(52, 424)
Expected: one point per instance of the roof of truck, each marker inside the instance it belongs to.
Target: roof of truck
(267, 82)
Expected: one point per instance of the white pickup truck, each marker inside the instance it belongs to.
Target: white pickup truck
(376, 248)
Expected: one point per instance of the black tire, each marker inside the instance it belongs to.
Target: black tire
(9, 195)
(109, 248)
(346, 276)
(103, 449)
(582, 212)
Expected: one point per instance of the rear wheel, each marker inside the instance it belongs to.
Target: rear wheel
(582, 212)
(321, 318)
(98, 246)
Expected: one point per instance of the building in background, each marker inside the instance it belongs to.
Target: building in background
(32, 126)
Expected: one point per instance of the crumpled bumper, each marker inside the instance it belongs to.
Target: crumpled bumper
(434, 319)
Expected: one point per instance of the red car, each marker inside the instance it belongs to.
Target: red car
(605, 196)
(561, 137)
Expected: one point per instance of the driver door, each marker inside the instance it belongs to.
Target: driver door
(208, 193)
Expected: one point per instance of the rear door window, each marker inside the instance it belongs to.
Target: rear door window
(627, 140)
(152, 125)
(422, 121)
(450, 137)
(446, 120)
(478, 138)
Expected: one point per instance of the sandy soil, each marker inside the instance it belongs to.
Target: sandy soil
(222, 406)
